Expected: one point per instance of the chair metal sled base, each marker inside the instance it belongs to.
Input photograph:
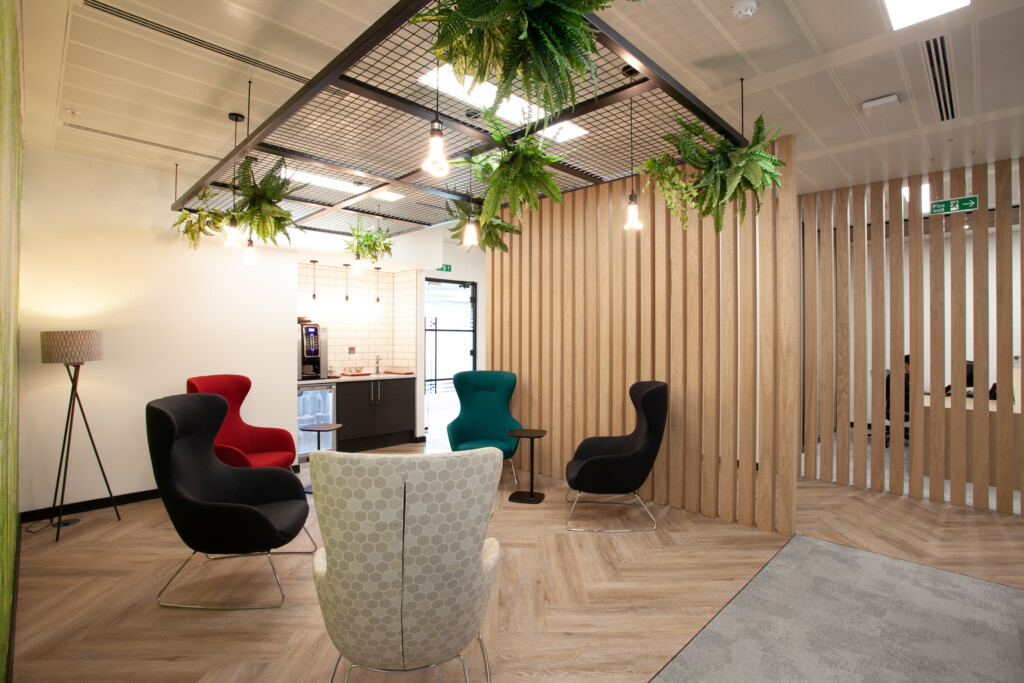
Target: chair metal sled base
(465, 669)
(159, 597)
(654, 522)
(515, 479)
(272, 552)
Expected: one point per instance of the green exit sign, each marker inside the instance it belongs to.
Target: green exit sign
(954, 205)
(446, 268)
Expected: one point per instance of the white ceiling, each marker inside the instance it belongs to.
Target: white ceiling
(101, 85)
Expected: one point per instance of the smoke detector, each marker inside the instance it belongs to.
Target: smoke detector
(744, 9)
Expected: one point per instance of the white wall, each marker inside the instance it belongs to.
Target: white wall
(98, 251)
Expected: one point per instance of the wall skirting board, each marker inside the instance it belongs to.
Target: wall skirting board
(87, 505)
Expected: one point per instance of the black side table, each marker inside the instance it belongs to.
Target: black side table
(528, 497)
(319, 429)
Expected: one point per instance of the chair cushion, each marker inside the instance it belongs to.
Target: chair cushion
(287, 516)
(270, 459)
(502, 445)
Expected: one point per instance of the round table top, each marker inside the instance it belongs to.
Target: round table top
(323, 427)
(528, 433)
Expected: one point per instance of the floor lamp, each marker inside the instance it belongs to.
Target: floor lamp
(73, 348)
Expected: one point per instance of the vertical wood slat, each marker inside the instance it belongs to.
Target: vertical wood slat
(646, 299)
(787, 432)
(1004, 341)
(492, 293)
(877, 237)
(589, 401)
(632, 321)
(917, 369)
(546, 346)
(709, 463)
(515, 247)
(567, 350)
(897, 381)
(1018, 455)
(958, 346)
(536, 315)
(529, 302)
(579, 315)
(860, 353)
(747, 445)
(767, 401)
(810, 338)
(660, 226)
(616, 244)
(694, 356)
(677, 383)
(842, 225)
(980, 446)
(603, 395)
(937, 314)
(826, 336)
(727, 397)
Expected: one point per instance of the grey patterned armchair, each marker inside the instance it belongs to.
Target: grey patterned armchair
(405, 574)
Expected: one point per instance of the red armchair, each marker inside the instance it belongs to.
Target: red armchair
(237, 443)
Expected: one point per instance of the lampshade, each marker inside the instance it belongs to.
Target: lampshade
(71, 347)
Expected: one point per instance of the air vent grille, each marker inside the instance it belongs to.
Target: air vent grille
(942, 86)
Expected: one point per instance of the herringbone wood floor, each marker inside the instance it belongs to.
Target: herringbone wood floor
(571, 607)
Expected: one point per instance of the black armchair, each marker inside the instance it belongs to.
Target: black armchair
(615, 465)
(214, 507)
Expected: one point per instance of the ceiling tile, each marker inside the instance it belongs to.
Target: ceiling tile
(772, 38)
(873, 77)
(1001, 53)
(961, 56)
(819, 102)
(863, 165)
(820, 173)
(836, 25)
(1000, 139)
(953, 147)
(776, 114)
(919, 82)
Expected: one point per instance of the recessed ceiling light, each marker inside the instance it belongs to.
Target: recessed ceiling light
(481, 96)
(906, 12)
(324, 181)
(389, 196)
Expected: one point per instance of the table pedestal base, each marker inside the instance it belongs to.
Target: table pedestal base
(526, 497)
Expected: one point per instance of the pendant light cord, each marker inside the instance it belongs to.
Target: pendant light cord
(632, 188)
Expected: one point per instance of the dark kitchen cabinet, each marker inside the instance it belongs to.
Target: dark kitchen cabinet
(375, 413)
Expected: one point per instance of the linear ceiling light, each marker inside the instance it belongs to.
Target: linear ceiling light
(906, 12)
(389, 196)
(340, 185)
(514, 109)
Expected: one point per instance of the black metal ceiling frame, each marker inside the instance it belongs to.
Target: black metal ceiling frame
(334, 75)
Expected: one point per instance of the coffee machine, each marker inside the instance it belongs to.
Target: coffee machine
(312, 351)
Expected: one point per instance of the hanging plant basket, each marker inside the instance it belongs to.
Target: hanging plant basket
(369, 243)
(723, 172)
(538, 44)
(258, 209)
(492, 231)
(201, 222)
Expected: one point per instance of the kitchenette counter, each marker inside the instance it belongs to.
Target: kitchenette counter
(354, 378)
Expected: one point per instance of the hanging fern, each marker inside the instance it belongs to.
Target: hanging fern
(201, 222)
(492, 231)
(724, 172)
(258, 207)
(514, 173)
(368, 243)
(539, 43)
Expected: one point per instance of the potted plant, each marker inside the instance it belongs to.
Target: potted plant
(369, 243)
(539, 43)
(724, 172)
(202, 222)
(514, 173)
(258, 207)
(492, 231)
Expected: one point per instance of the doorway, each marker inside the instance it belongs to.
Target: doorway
(449, 347)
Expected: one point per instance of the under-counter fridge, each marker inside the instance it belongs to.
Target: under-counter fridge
(315, 406)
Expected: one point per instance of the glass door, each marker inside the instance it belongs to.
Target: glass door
(450, 347)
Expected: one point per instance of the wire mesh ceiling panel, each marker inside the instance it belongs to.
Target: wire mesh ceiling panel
(365, 128)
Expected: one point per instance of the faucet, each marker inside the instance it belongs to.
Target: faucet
(378, 363)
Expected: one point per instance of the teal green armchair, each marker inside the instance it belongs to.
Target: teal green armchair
(484, 418)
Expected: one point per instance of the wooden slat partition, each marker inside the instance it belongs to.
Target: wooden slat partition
(981, 448)
(896, 381)
(581, 310)
(842, 225)
(810, 338)
(969, 444)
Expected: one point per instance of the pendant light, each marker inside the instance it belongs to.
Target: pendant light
(377, 268)
(233, 236)
(314, 262)
(357, 267)
(632, 209)
(469, 236)
(347, 266)
(250, 252)
(436, 163)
